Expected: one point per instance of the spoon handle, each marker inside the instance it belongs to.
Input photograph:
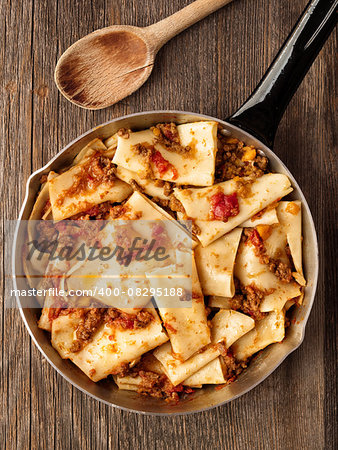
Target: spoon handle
(169, 27)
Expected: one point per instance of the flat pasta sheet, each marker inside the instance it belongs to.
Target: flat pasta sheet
(249, 270)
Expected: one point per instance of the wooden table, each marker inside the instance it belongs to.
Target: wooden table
(210, 68)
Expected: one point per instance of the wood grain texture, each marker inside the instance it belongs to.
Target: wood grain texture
(210, 68)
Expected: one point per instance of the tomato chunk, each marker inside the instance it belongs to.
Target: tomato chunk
(163, 165)
(223, 206)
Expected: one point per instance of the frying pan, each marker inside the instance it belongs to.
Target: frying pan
(255, 123)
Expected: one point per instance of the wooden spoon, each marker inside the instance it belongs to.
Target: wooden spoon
(109, 64)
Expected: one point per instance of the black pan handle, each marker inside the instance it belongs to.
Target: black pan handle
(261, 113)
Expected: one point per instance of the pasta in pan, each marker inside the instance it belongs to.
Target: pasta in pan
(194, 186)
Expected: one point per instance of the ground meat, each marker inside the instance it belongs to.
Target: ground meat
(167, 131)
(143, 149)
(165, 204)
(43, 179)
(45, 232)
(159, 183)
(93, 317)
(57, 308)
(158, 386)
(281, 270)
(161, 202)
(101, 168)
(236, 301)
(261, 162)
(66, 232)
(69, 232)
(289, 256)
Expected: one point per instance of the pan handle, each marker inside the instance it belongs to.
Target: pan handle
(261, 113)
